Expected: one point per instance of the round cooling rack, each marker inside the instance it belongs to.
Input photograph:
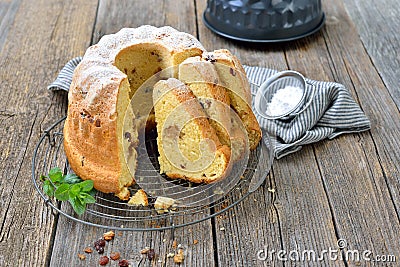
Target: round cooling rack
(111, 213)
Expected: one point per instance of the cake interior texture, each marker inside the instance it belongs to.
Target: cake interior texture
(141, 61)
(188, 145)
(233, 78)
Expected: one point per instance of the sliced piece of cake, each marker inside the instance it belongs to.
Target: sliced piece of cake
(233, 77)
(188, 145)
(203, 80)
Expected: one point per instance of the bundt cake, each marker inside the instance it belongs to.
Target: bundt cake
(188, 145)
(109, 74)
(102, 125)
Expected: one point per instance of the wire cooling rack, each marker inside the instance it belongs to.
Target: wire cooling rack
(111, 213)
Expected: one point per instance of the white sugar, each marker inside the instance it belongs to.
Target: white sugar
(284, 100)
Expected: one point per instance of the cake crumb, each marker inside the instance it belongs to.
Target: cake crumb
(162, 204)
(139, 198)
(115, 256)
(88, 250)
(178, 258)
(195, 241)
(81, 256)
(174, 244)
(108, 236)
(145, 250)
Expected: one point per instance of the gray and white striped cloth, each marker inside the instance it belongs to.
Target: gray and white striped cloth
(64, 78)
(332, 112)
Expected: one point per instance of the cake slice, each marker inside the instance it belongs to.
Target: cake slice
(202, 78)
(99, 144)
(233, 77)
(188, 145)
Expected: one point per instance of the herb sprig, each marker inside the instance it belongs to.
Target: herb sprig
(69, 187)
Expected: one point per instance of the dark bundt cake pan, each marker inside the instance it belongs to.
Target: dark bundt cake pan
(264, 20)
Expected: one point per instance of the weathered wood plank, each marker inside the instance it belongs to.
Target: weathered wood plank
(360, 171)
(8, 10)
(28, 62)
(178, 14)
(111, 17)
(334, 189)
(72, 238)
(296, 215)
(378, 29)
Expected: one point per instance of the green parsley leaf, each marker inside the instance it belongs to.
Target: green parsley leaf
(86, 198)
(62, 192)
(48, 188)
(69, 187)
(92, 192)
(56, 175)
(86, 186)
(71, 178)
(74, 190)
(43, 178)
(77, 205)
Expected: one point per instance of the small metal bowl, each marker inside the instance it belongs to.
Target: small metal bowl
(264, 20)
(283, 96)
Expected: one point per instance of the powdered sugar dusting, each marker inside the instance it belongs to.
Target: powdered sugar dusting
(97, 74)
(284, 100)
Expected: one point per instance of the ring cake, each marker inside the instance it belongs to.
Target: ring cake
(99, 110)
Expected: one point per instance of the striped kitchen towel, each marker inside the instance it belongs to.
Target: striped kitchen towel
(332, 112)
(64, 78)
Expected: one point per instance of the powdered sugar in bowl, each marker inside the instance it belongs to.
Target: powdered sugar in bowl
(282, 96)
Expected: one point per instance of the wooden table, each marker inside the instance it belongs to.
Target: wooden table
(347, 188)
